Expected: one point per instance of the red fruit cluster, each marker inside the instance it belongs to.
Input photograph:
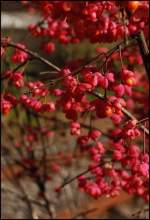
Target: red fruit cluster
(111, 92)
(70, 21)
(8, 102)
(19, 56)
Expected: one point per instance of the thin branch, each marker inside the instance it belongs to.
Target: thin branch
(75, 177)
(32, 54)
(143, 120)
(144, 50)
(83, 173)
(54, 119)
(94, 59)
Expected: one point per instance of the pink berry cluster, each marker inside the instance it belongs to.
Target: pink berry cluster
(8, 102)
(116, 92)
(72, 22)
(19, 56)
(127, 170)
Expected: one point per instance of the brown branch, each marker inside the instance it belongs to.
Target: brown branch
(143, 120)
(54, 119)
(83, 173)
(94, 59)
(144, 50)
(140, 38)
(32, 54)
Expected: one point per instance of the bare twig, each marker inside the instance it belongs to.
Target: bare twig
(144, 50)
(94, 59)
(83, 173)
(32, 54)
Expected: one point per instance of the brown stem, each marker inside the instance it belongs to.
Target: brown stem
(94, 59)
(144, 50)
(83, 173)
(54, 119)
(33, 54)
(144, 144)
(142, 120)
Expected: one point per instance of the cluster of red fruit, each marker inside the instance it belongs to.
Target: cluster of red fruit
(74, 95)
(101, 21)
(128, 168)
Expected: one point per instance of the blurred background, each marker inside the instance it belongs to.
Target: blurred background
(71, 204)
